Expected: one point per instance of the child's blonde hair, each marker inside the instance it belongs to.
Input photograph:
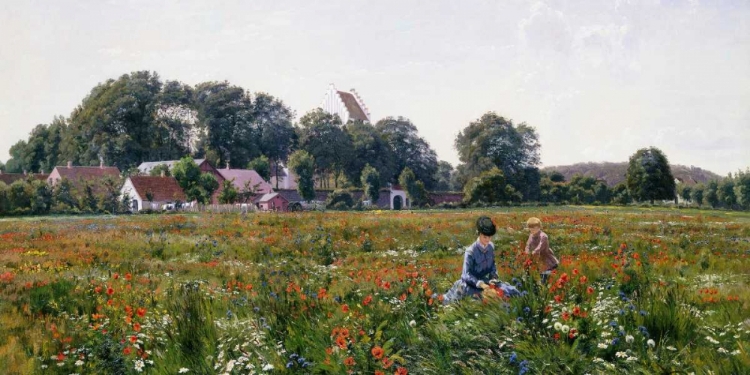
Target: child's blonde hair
(534, 223)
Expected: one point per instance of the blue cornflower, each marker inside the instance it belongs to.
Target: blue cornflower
(613, 324)
(526, 310)
(513, 358)
(290, 364)
(519, 319)
(643, 313)
(294, 356)
(256, 309)
(615, 341)
(301, 360)
(229, 314)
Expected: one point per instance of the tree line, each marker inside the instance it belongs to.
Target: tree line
(138, 117)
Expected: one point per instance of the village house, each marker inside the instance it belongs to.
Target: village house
(347, 104)
(203, 164)
(151, 192)
(273, 202)
(77, 175)
(245, 180)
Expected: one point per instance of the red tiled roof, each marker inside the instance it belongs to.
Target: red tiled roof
(163, 188)
(73, 174)
(9, 178)
(355, 111)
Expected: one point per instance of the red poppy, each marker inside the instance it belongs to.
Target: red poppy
(110, 291)
(377, 352)
(345, 308)
(141, 312)
(137, 327)
(401, 371)
(127, 351)
(367, 300)
(349, 361)
(133, 339)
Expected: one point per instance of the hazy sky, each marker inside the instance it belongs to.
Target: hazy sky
(597, 79)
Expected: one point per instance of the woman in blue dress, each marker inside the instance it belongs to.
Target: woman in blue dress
(479, 269)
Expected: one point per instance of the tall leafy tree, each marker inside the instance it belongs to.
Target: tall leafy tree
(649, 177)
(196, 185)
(369, 148)
(620, 194)
(489, 187)
(494, 141)
(303, 165)
(323, 137)
(415, 189)
(371, 182)
(697, 194)
(116, 122)
(409, 149)
(726, 194)
(686, 193)
(443, 177)
(711, 194)
(742, 188)
(273, 120)
(16, 163)
(261, 165)
(228, 193)
(225, 113)
(174, 123)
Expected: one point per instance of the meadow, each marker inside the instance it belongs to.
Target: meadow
(642, 291)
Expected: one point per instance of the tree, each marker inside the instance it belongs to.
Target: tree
(371, 183)
(41, 196)
(711, 195)
(322, 136)
(4, 203)
(19, 197)
(686, 193)
(620, 194)
(725, 193)
(2, 166)
(742, 188)
(556, 176)
(115, 122)
(161, 169)
(228, 193)
(196, 185)
(697, 194)
(273, 119)
(63, 196)
(110, 194)
(493, 141)
(339, 199)
(225, 112)
(261, 165)
(409, 149)
(303, 165)
(602, 194)
(443, 177)
(369, 148)
(649, 177)
(415, 189)
(489, 187)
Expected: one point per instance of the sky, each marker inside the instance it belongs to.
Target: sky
(597, 79)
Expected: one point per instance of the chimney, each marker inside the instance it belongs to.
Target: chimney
(24, 172)
(41, 170)
(227, 164)
(162, 173)
(70, 164)
(101, 163)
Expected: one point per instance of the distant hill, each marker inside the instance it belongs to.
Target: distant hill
(614, 173)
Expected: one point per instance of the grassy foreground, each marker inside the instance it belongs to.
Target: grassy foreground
(638, 291)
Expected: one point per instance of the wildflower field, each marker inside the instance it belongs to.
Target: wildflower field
(638, 291)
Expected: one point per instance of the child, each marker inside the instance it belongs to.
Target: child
(538, 247)
(479, 269)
